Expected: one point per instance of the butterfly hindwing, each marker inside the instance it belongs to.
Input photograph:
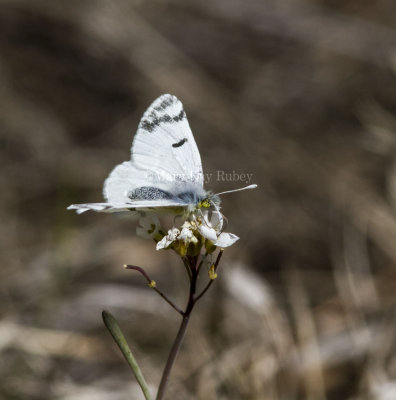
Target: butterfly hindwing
(141, 205)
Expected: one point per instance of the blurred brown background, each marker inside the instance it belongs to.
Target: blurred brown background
(300, 93)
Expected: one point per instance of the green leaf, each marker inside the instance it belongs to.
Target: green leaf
(116, 333)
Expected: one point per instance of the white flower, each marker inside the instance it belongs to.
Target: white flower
(168, 239)
(187, 234)
(182, 239)
(207, 231)
(211, 226)
(204, 229)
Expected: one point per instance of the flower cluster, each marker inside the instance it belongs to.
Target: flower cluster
(200, 230)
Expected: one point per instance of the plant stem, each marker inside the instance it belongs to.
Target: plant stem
(182, 330)
(172, 356)
(150, 281)
(211, 281)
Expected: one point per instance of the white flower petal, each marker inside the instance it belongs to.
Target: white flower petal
(167, 240)
(173, 234)
(216, 221)
(187, 224)
(162, 244)
(226, 239)
(186, 234)
(207, 232)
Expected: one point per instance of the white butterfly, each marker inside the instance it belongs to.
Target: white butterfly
(165, 170)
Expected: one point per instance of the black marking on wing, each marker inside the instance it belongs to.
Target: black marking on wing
(180, 116)
(165, 103)
(149, 125)
(178, 144)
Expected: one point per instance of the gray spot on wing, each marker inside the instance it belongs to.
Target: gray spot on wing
(178, 144)
(149, 193)
(154, 120)
(153, 193)
(180, 116)
(165, 103)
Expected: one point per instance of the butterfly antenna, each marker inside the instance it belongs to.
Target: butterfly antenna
(226, 222)
(237, 190)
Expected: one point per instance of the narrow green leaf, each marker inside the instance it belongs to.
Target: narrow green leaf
(116, 333)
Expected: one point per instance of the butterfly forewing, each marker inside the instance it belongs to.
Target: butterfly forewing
(164, 155)
(165, 144)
